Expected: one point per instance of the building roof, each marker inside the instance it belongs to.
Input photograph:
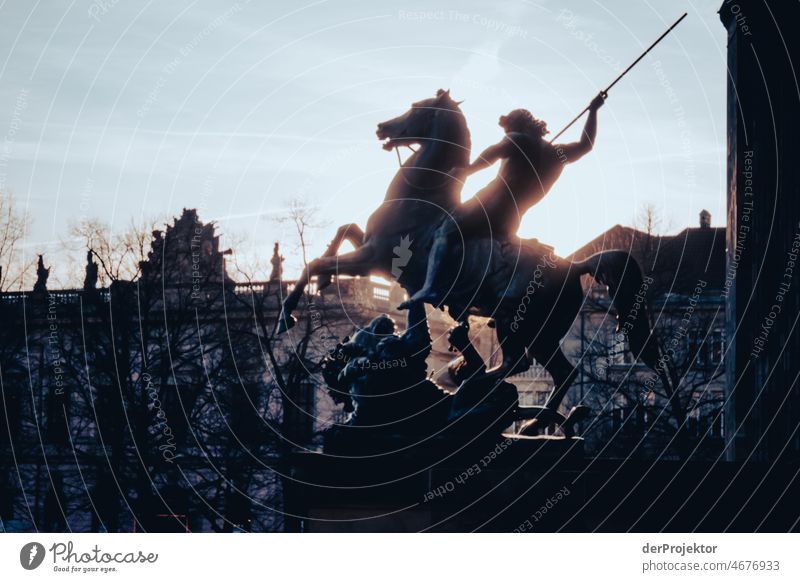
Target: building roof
(691, 257)
(679, 262)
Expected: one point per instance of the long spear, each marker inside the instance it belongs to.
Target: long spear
(622, 74)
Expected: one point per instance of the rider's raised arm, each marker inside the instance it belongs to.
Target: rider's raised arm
(571, 152)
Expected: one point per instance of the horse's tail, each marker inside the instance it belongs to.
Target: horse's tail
(628, 290)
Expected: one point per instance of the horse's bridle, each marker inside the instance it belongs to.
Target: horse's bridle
(397, 151)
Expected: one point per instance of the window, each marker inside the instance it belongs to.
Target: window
(710, 348)
(712, 422)
(620, 354)
(617, 418)
(717, 347)
(532, 373)
(718, 427)
(649, 415)
(380, 293)
(693, 422)
(541, 397)
(527, 398)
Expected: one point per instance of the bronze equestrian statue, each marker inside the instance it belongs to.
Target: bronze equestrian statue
(532, 296)
(529, 168)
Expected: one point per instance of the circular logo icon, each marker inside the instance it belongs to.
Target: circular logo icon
(31, 555)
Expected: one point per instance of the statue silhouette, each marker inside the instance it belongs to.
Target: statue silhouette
(90, 280)
(277, 264)
(529, 168)
(371, 372)
(41, 276)
(532, 295)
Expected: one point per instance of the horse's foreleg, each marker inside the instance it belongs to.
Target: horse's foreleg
(347, 232)
(286, 320)
(358, 262)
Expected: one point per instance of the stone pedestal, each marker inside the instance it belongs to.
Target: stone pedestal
(514, 483)
(538, 485)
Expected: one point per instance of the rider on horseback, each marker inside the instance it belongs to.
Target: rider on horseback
(529, 168)
(412, 211)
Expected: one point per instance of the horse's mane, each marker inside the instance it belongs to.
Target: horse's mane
(461, 128)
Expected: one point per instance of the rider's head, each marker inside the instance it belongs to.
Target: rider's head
(521, 121)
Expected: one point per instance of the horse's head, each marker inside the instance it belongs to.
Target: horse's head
(437, 118)
(425, 182)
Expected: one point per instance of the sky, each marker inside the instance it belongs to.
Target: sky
(127, 110)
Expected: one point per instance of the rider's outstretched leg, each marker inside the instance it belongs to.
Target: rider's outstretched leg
(431, 292)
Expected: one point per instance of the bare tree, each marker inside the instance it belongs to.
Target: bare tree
(13, 227)
(166, 418)
(294, 360)
(120, 254)
(637, 413)
(180, 405)
(640, 412)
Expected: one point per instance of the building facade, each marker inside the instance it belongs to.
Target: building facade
(762, 283)
(167, 402)
(633, 414)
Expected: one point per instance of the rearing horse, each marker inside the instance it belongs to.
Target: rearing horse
(418, 198)
(532, 295)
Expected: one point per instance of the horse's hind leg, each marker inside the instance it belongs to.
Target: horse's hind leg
(347, 232)
(563, 373)
(515, 360)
